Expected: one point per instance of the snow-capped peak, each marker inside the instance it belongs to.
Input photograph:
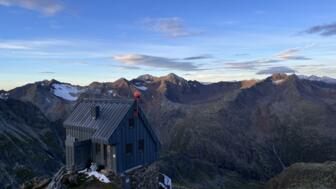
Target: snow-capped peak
(66, 91)
(146, 77)
(278, 82)
(4, 95)
(317, 78)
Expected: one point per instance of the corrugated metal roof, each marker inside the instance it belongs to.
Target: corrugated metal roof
(111, 114)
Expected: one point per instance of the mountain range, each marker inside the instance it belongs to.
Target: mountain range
(216, 135)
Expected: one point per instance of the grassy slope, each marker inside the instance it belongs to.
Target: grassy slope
(306, 176)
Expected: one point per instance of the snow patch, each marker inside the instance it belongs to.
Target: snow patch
(4, 96)
(206, 83)
(111, 92)
(143, 88)
(165, 181)
(83, 171)
(65, 91)
(99, 176)
(278, 82)
(317, 78)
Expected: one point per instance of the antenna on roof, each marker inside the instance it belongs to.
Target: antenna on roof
(95, 111)
(137, 95)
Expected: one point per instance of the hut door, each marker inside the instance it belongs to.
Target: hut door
(82, 154)
(113, 157)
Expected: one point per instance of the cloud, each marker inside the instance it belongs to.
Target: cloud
(172, 27)
(11, 46)
(252, 64)
(125, 67)
(241, 54)
(155, 62)
(200, 57)
(292, 54)
(273, 70)
(48, 7)
(31, 44)
(73, 63)
(130, 67)
(46, 72)
(323, 30)
(228, 22)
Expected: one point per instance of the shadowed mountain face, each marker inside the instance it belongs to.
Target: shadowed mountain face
(241, 132)
(263, 129)
(30, 144)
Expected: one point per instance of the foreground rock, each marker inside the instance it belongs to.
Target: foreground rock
(36, 183)
(306, 176)
(140, 178)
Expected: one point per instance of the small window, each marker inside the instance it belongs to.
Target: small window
(135, 113)
(141, 145)
(131, 123)
(129, 148)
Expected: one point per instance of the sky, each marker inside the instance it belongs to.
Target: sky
(81, 41)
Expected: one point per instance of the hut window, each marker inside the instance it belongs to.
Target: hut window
(129, 148)
(141, 145)
(131, 123)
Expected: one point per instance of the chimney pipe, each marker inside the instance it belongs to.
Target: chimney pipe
(95, 111)
(137, 95)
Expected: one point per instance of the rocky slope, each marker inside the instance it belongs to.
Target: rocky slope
(53, 98)
(305, 176)
(30, 144)
(260, 130)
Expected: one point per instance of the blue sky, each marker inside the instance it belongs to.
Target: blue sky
(83, 41)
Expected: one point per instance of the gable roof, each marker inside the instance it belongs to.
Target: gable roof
(111, 114)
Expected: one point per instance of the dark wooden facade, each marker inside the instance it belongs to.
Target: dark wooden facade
(119, 138)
